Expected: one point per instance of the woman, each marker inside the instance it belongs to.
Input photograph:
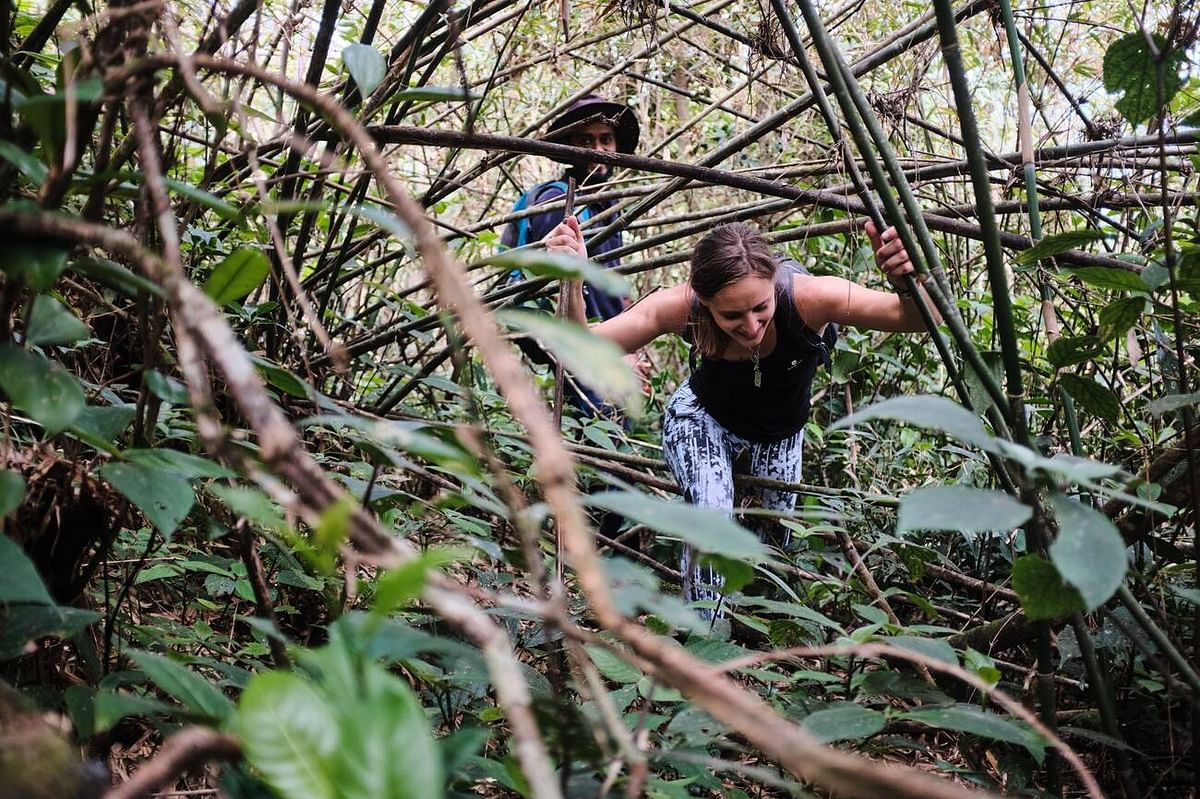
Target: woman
(757, 326)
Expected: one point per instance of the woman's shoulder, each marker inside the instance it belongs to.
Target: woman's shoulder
(818, 299)
(672, 307)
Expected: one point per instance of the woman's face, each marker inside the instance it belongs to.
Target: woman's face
(744, 309)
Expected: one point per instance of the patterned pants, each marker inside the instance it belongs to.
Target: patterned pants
(700, 454)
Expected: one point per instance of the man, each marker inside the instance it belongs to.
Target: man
(596, 124)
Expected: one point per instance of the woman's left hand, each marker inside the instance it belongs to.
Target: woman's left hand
(890, 253)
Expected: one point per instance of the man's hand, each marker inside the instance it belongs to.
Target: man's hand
(566, 239)
(890, 254)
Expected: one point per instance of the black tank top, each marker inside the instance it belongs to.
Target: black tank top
(779, 407)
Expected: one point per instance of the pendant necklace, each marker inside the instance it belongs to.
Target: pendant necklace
(757, 370)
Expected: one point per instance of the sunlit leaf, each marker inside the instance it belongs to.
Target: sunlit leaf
(1131, 67)
(961, 508)
(202, 197)
(934, 413)
(611, 666)
(1060, 243)
(289, 732)
(1068, 351)
(1106, 277)
(366, 66)
(540, 263)
(1120, 315)
(595, 361)
(1089, 553)
(43, 389)
(1041, 589)
(51, 322)
(241, 272)
(705, 529)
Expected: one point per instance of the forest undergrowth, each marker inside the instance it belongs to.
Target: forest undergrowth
(287, 514)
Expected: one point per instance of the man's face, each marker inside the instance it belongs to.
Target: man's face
(596, 136)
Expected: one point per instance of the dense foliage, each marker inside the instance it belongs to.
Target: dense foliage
(283, 513)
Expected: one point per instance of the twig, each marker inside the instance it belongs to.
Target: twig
(182, 751)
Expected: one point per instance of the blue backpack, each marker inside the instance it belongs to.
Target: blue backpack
(527, 199)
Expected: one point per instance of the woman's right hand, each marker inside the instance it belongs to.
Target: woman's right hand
(566, 239)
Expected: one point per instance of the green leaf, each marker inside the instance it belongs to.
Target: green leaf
(611, 666)
(186, 465)
(1059, 243)
(1106, 277)
(1068, 351)
(972, 720)
(1172, 402)
(961, 508)
(935, 413)
(596, 361)
(844, 721)
(179, 682)
(167, 389)
(48, 393)
(1089, 553)
(105, 423)
(111, 707)
(51, 322)
(38, 263)
(1041, 589)
(387, 750)
(282, 379)
(21, 583)
(26, 163)
(164, 497)
(929, 647)
(366, 66)
(20, 624)
(1120, 315)
(12, 492)
(202, 197)
(450, 94)
(735, 574)
(289, 732)
(400, 585)
(541, 263)
(1130, 67)
(242, 271)
(1092, 396)
(116, 277)
(707, 530)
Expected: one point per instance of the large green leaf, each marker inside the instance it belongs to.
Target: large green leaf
(1172, 402)
(116, 277)
(366, 66)
(28, 165)
(844, 721)
(541, 263)
(105, 423)
(1041, 589)
(48, 393)
(12, 491)
(612, 667)
(289, 732)
(241, 272)
(193, 691)
(1089, 553)
(38, 263)
(184, 464)
(1120, 315)
(1131, 67)
(111, 707)
(51, 322)
(962, 508)
(165, 497)
(935, 413)
(387, 750)
(21, 581)
(1106, 277)
(1092, 396)
(1053, 245)
(970, 719)
(596, 361)
(1070, 350)
(707, 530)
(202, 197)
(449, 94)
(20, 624)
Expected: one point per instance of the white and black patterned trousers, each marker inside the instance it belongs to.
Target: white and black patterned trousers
(700, 453)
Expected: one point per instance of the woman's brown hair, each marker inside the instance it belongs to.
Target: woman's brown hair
(727, 254)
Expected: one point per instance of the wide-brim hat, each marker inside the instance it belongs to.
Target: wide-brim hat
(593, 108)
